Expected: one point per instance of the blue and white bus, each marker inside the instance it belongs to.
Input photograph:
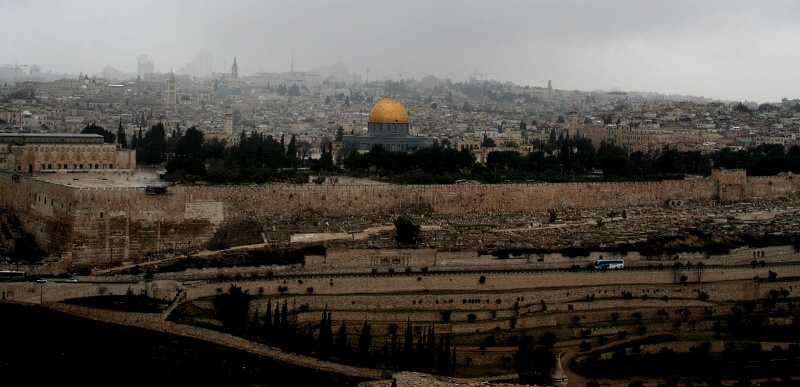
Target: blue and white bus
(609, 264)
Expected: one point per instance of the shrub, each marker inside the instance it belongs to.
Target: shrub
(772, 276)
(445, 316)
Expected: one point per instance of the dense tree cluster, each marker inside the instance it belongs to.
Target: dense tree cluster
(108, 137)
(257, 158)
(261, 158)
(534, 360)
(764, 160)
(417, 349)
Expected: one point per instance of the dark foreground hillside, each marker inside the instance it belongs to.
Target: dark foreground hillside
(38, 345)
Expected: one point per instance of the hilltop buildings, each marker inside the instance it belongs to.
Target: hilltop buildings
(463, 115)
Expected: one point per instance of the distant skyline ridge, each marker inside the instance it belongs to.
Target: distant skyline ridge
(719, 50)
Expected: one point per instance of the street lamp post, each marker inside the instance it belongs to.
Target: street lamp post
(110, 259)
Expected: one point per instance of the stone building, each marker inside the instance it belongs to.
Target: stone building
(388, 125)
(226, 135)
(46, 152)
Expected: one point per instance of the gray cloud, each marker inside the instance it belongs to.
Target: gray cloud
(719, 49)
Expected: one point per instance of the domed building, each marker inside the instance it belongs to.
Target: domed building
(388, 126)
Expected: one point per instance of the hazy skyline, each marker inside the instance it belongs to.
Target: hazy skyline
(733, 50)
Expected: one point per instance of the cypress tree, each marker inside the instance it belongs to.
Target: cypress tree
(364, 343)
(342, 346)
(266, 331)
(408, 343)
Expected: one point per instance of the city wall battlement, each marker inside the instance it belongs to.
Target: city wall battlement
(91, 226)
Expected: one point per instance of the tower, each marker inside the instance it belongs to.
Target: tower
(171, 94)
(234, 70)
(227, 125)
(558, 378)
(574, 122)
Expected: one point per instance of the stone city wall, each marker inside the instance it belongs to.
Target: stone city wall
(102, 226)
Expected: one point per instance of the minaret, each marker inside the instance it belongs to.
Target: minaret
(227, 125)
(574, 122)
(171, 94)
(234, 70)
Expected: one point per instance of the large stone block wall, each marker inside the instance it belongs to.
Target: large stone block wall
(102, 226)
(374, 258)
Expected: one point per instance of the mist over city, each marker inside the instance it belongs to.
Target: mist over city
(728, 50)
(414, 193)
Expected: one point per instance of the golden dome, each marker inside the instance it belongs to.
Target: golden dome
(388, 111)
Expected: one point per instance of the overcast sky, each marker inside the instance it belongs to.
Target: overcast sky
(734, 50)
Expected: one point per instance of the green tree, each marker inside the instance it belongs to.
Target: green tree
(122, 140)
(533, 363)
(190, 144)
(108, 137)
(291, 151)
(326, 159)
(407, 233)
(487, 142)
(325, 338)
(339, 134)
(548, 339)
(150, 150)
(364, 343)
(232, 308)
(342, 345)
